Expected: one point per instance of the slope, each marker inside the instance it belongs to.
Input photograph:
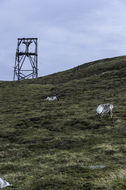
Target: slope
(62, 144)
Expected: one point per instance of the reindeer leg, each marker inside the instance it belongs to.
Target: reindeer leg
(110, 113)
(101, 115)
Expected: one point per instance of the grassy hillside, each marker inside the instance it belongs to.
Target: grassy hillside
(62, 145)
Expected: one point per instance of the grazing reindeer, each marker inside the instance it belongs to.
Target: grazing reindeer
(104, 108)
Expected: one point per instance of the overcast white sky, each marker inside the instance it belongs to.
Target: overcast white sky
(69, 32)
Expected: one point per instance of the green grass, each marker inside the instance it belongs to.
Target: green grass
(55, 145)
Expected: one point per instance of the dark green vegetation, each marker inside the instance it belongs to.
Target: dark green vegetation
(62, 145)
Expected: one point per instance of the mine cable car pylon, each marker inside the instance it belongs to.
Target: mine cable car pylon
(20, 72)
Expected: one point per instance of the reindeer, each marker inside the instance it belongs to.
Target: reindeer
(104, 108)
(51, 98)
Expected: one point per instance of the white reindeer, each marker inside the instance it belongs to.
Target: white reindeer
(104, 108)
(51, 98)
(4, 183)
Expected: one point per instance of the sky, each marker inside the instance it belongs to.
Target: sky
(69, 32)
